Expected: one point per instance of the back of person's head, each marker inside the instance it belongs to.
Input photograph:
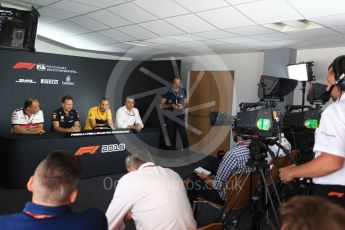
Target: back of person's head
(136, 157)
(56, 177)
(310, 213)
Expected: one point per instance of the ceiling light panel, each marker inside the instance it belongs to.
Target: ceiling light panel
(224, 18)
(90, 23)
(190, 23)
(73, 7)
(201, 5)
(162, 8)
(137, 32)
(318, 8)
(132, 13)
(108, 18)
(162, 28)
(276, 11)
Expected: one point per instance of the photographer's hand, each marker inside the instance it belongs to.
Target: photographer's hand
(286, 173)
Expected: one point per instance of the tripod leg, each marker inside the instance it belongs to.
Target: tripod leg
(275, 189)
(269, 195)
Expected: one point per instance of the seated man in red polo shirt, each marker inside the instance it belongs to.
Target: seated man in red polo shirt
(28, 120)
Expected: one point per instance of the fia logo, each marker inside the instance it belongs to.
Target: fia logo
(41, 67)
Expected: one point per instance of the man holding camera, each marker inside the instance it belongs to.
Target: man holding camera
(327, 168)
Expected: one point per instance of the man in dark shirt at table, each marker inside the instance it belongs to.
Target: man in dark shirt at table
(66, 119)
(53, 186)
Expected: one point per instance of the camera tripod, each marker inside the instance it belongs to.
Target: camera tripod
(256, 164)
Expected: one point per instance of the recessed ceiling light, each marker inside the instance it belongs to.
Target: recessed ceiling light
(297, 25)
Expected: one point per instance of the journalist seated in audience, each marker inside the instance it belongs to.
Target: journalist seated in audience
(213, 188)
(53, 188)
(154, 197)
(310, 213)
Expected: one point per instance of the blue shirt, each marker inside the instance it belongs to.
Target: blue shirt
(65, 120)
(54, 218)
(234, 161)
(175, 98)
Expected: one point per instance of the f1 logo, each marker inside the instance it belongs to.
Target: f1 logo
(87, 150)
(24, 65)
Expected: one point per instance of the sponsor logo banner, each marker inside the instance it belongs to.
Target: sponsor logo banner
(68, 81)
(49, 81)
(26, 81)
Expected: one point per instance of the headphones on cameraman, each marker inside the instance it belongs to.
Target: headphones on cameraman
(338, 66)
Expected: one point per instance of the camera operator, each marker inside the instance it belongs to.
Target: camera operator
(327, 168)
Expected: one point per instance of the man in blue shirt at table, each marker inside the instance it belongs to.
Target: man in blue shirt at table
(53, 186)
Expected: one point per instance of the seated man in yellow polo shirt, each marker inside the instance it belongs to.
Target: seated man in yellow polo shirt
(99, 116)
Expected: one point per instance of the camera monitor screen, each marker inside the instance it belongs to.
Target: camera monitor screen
(298, 72)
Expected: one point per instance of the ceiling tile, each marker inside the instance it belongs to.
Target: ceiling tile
(238, 40)
(102, 3)
(64, 27)
(236, 2)
(97, 37)
(190, 23)
(277, 11)
(250, 30)
(56, 13)
(340, 29)
(42, 2)
(330, 21)
(46, 20)
(89, 23)
(116, 35)
(201, 5)
(109, 18)
(216, 34)
(318, 8)
(227, 17)
(187, 37)
(313, 33)
(212, 42)
(272, 37)
(162, 8)
(73, 7)
(162, 28)
(137, 32)
(162, 40)
(132, 13)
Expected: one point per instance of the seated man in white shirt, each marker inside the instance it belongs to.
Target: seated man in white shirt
(154, 197)
(29, 119)
(128, 117)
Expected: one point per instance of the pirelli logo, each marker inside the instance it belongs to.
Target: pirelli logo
(87, 150)
(24, 65)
